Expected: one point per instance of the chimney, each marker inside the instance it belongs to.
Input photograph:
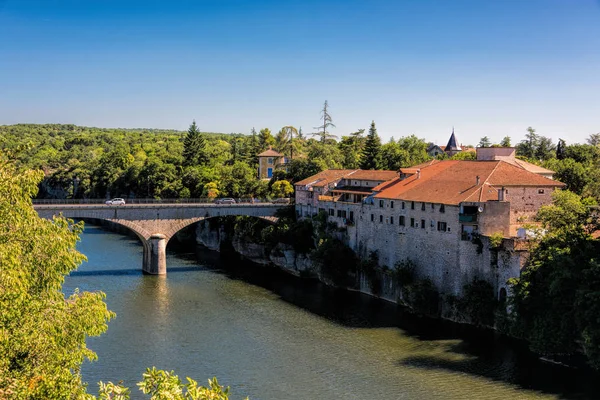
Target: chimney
(478, 180)
(501, 194)
(418, 174)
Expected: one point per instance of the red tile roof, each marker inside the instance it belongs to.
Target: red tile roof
(324, 177)
(270, 153)
(373, 175)
(330, 175)
(452, 182)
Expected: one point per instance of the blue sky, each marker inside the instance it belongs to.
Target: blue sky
(487, 67)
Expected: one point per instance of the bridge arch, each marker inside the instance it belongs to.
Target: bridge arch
(156, 224)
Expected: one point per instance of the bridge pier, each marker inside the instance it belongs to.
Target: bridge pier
(155, 255)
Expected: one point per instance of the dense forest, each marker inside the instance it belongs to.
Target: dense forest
(83, 162)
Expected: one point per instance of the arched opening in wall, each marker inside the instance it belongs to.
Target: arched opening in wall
(502, 296)
(112, 227)
(121, 254)
(220, 233)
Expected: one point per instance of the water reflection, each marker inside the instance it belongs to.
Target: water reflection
(272, 336)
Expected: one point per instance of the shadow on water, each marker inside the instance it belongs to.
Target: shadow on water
(131, 271)
(466, 350)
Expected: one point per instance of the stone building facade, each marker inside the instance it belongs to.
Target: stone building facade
(268, 161)
(439, 215)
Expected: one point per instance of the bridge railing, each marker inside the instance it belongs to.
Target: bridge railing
(165, 201)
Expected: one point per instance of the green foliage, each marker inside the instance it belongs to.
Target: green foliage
(536, 147)
(194, 146)
(465, 156)
(405, 152)
(556, 300)
(337, 262)
(371, 156)
(42, 332)
(265, 139)
(496, 240)
(505, 142)
(484, 142)
(422, 296)
(322, 131)
(370, 268)
(282, 189)
(478, 303)
(164, 385)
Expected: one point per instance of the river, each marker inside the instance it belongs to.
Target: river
(271, 336)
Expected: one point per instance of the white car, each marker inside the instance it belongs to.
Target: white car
(115, 202)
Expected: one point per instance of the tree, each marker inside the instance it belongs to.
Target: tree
(284, 141)
(193, 146)
(265, 139)
(351, 147)
(505, 142)
(254, 147)
(560, 149)
(323, 132)
(282, 189)
(555, 302)
(594, 139)
(371, 156)
(484, 142)
(545, 149)
(527, 146)
(43, 340)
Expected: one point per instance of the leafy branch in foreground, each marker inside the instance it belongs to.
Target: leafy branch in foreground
(161, 384)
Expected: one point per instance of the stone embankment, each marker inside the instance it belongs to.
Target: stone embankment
(213, 236)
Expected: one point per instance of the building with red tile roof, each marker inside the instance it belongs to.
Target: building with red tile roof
(439, 215)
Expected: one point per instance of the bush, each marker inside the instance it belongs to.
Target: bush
(423, 297)
(478, 303)
(337, 262)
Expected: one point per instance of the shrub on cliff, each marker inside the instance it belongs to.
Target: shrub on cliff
(556, 301)
(337, 262)
(478, 303)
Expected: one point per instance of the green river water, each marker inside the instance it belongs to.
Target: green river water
(272, 336)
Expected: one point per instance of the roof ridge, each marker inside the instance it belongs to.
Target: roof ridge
(488, 178)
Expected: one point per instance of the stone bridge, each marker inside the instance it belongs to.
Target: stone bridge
(155, 224)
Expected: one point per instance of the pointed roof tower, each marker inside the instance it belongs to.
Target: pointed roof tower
(452, 144)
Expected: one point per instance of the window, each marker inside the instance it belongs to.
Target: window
(331, 212)
(442, 208)
(392, 220)
(372, 217)
(422, 224)
(392, 204)
(339, 213)
(351, 215)
(540, 191)
(432, 206)
(270, 161)
(403, 205)
(442, 226)
(412, 222)
(343, 213)
(422, 206)
(412, 205)
(401, 220)
(380, 218)
(381, 203)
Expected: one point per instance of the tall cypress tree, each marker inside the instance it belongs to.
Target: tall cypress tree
(371, 155)
(193, 146)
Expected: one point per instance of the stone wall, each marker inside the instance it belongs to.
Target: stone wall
(439, 255)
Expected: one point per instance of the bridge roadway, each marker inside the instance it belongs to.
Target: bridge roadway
(155, 224)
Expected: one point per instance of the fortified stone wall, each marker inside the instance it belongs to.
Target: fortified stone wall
(525, 202)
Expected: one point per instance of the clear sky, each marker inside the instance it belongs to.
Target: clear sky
(487, 67)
